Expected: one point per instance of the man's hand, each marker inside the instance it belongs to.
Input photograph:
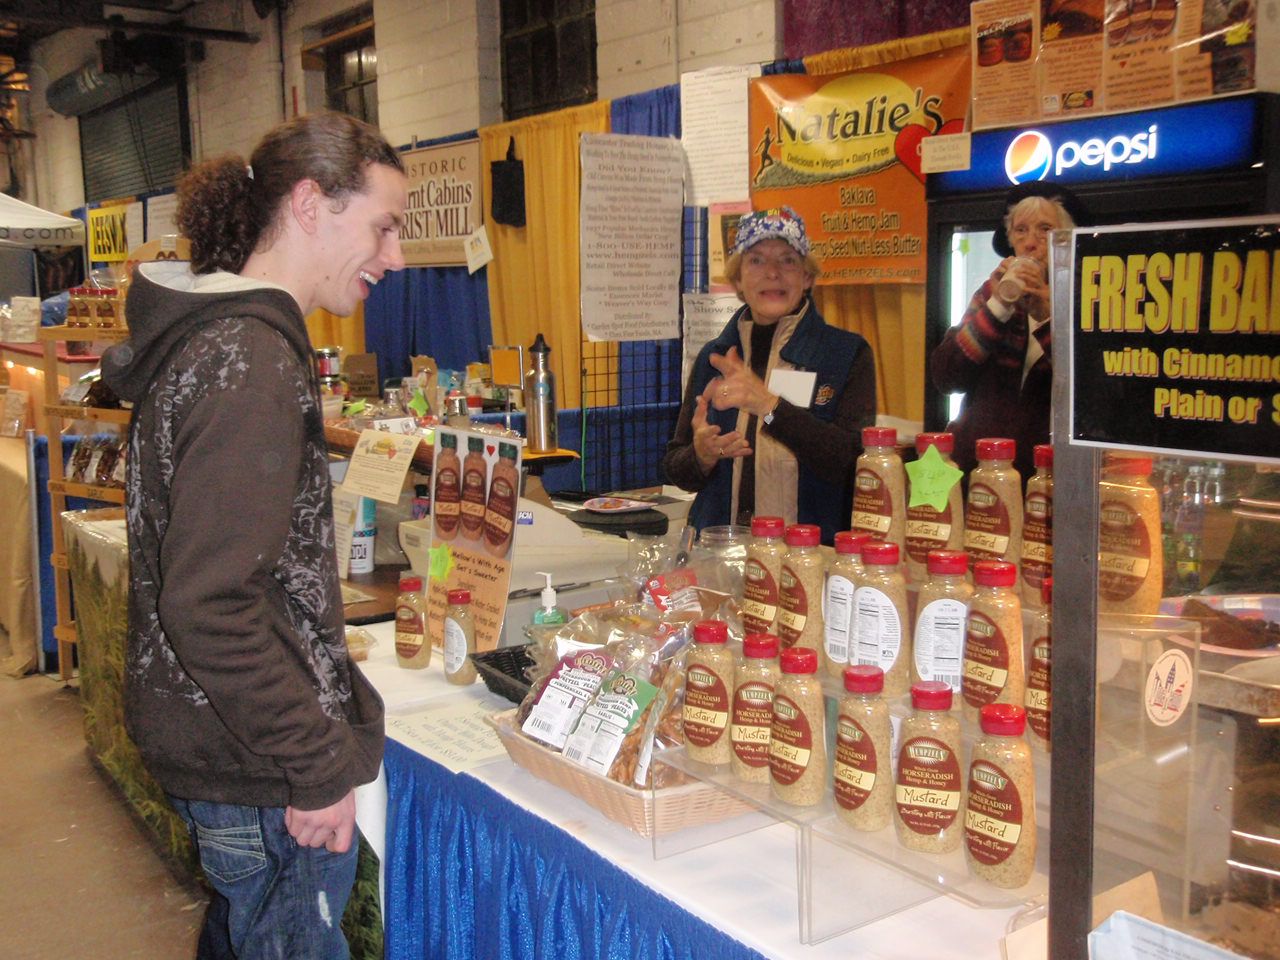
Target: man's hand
(331, 827)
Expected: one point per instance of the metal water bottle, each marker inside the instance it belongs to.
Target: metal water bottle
(540, 399)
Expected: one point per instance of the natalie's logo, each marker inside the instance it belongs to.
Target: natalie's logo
(826, 393)
(1029, 157)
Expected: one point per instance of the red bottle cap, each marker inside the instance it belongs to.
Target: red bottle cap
(995, 573)
(1003, 719)
(710, 631)
(863, 678)
(799, 660)
(475, 403)
(851, 541)
(1127, 466)
(931, 695)
(767, 526)
(408, 583)
(947, 561)
(1043, 454)
(876, 553)
(945, 442)
(1046, 591)
(760, 646)
(997, 448)
(879, 437)
(803, 535)
(459, 597)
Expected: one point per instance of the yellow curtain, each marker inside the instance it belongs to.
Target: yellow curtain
(891, 318)
(533, 279)
(855, 58)
(330, 330)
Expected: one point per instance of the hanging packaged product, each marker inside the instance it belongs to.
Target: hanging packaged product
(942, 621)
(605, 723)
(446, 506)
(459, 639)
(708, 687)
(879, 492)
(839, 615)
(413, 646)
(798, 738)
(993, 657)
(929, 529)
(800, 588)
(1039, 697)
(471, 505)
(500, 510)
(881, 637)
(568, 689)
(1000, 805)
(929, 785)
(993, 510)
(1130, 556)
(863, 774)
(751, 721)
(363, 535)
(762, 573)
(1037, 529)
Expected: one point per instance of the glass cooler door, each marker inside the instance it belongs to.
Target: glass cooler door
(1166, 633)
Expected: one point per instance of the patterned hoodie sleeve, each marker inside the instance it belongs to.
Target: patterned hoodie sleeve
(983, 335)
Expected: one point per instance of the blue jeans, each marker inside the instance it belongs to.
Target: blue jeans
(273, 900)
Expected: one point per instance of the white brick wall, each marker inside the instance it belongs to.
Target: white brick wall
(438, 70)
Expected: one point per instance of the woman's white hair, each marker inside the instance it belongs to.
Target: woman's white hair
(1031, 204)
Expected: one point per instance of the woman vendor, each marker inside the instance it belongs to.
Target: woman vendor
(738, 443)
(999, 355)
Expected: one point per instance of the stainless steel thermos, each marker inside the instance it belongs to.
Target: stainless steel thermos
(540, 399)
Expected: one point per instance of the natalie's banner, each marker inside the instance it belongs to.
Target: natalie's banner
(1175, 338)
(844, 151)
(444, 206)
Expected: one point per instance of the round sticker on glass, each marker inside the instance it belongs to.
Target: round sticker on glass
(1168, 688)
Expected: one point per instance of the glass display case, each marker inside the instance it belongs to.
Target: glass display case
(1166, 673)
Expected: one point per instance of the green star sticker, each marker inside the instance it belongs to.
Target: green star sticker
(931, 480)
(419, 404)
(441, 562)
(355, 407)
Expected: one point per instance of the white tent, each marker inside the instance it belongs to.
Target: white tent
(32, 227)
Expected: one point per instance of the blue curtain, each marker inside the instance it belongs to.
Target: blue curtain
(469, 874)
(442, 312)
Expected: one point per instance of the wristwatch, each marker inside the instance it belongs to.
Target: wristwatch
(767, 419)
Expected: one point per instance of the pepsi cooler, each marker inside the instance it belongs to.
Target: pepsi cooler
(1196, 161)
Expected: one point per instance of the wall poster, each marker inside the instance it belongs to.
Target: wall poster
(444, 206)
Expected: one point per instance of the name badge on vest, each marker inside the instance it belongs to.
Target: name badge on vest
(794, 386)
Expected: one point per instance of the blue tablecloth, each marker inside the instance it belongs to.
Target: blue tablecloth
(471, 874)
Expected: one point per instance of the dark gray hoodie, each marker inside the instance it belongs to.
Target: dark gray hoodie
(238, 687)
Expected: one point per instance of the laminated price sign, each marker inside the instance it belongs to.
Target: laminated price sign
(1175, 338)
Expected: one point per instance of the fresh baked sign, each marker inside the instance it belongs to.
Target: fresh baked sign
(844, 151)
(1175, 338)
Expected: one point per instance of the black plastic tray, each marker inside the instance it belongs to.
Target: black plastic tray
(503, 670)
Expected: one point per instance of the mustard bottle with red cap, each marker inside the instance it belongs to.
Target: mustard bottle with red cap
(883, 633)
(879, 487)
(994, 671)
(941, 621)
(800, 588)
(761, 574)
(1039, 698)
(993, 509)
(1037, 528)
(929, 529)
(929, 784)
(459, 639)
(798, 738)
(708, 687)
(1130, 555)
(751, 720)
(863, 773)
(1000, 802)
(839, 615)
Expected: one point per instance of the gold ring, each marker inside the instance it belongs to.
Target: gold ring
(724, 391)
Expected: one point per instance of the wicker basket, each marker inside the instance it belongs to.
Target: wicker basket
(687, 805)
(502, 671)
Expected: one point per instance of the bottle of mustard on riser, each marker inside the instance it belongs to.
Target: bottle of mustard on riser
(1037, 528)
(993, 510)
(883, 633)
(762, 574)
(880, 484)
(840, 619)
(994, 670)
(708, 691)
(942, 614)
(929, 529)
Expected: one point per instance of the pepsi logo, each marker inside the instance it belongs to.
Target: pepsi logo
(1028, 157)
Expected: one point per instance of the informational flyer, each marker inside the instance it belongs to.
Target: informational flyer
(1005, 37)
(1175, 339)
(630, 209)
(1071, 56)
(379, 464)
(454, 733)
(474, 496)
(713, 124)
(705, 315)
(1138, 69)
(162, 213)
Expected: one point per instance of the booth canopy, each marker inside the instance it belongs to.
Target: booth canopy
(32, 227)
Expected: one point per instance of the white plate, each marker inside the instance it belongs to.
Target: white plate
(615, 505)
